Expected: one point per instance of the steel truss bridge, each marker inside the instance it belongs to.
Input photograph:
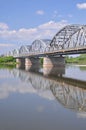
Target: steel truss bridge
(69, 40)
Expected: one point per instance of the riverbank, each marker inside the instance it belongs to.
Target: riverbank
(79, 65)
(80, 60)
(8, 60)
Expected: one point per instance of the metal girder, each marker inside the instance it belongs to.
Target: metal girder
(24, 49)
(15, 52)
(39, 45)
(70, 36)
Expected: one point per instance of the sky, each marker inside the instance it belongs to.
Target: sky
(23, 21)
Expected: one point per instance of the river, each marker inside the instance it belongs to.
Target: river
(43, 98)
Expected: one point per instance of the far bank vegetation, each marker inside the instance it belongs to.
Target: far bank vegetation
(77, 60)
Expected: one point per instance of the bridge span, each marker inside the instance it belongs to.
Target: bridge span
(69, 40)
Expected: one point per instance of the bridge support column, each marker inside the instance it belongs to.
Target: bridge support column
(54, 61)
(20, 61)
(32, 61)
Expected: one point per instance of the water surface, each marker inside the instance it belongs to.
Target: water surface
(43, 99)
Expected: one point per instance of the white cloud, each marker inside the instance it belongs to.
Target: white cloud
(81, 5)
(28, 35)
(6, 45)
(3, 26)
(40, 12)
(52, 25)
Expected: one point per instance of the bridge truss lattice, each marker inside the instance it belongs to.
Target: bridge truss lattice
(69, 37)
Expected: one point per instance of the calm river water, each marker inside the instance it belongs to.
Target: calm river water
(43, 99)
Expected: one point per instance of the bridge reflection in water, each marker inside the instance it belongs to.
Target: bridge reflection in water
(71, 93)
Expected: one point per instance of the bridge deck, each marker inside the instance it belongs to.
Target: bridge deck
(78, 50)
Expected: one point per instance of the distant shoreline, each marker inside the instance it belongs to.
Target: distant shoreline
(79, 65)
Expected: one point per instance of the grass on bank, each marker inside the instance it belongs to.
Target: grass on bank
(7, 60)
(78, 60)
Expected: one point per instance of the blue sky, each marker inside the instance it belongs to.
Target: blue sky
(23, 21)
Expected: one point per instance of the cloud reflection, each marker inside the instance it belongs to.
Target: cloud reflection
(81, 115)
(24, 82)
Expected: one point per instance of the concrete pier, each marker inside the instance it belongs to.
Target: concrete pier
(49, 62)
(32, 61)
(53, 61)
(20, 61)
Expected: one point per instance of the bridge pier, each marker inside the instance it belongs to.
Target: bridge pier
(32, 61)
(20, 61)
(48, 62)
(54, 61)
